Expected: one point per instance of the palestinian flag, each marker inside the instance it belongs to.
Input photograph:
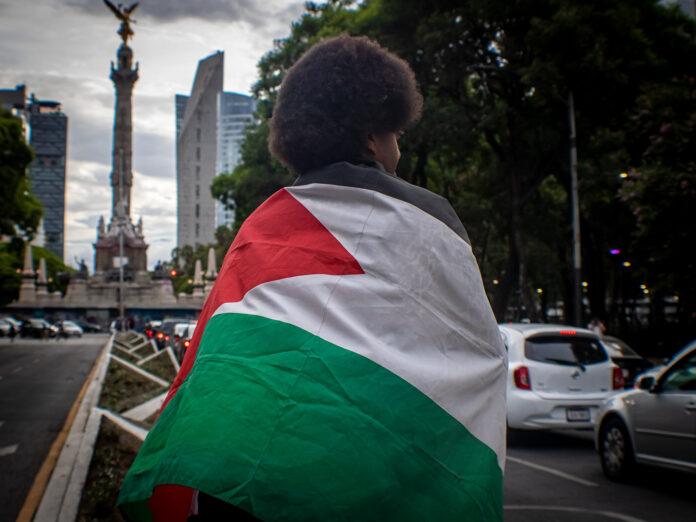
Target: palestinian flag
(346, 366)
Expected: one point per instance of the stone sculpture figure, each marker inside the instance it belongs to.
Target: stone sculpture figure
(123, 14)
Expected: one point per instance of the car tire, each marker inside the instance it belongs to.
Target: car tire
(514, 436)
(616, 450)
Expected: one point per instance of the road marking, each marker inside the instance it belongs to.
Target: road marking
(552, 471)
(17, 370)
(8, 450)
(609, 514)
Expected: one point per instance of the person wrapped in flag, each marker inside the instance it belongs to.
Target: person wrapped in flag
(347, 364)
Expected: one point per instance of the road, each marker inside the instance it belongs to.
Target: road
(39, 382)
(554, 476)
(549, 476)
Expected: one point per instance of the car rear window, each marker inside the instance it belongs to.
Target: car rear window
(566, 350)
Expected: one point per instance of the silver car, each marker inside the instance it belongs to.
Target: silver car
(558, 377)
(654, 423)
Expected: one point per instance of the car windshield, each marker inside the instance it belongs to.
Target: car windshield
(567, 350)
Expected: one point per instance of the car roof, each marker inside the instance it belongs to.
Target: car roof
(529, 329)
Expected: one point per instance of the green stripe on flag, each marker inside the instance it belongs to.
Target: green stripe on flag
(291, 427)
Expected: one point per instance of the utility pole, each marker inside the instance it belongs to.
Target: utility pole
(577, 263)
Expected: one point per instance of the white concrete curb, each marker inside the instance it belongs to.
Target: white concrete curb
(62, 496)
(140, 371)
(124, 424)
(146, 409)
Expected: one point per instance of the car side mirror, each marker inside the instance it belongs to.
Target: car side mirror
(646, 382)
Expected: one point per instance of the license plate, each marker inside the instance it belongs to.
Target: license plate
(578, 414)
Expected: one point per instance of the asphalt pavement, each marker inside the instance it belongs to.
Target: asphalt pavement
(39, 382)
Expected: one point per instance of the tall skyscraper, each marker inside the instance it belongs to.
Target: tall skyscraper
(46, 131)
(196, 155)
(235, 112)
(209, 129)
(48, 137)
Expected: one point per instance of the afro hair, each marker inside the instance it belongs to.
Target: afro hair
(338, 92)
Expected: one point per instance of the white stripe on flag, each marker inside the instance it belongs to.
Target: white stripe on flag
(419, 312)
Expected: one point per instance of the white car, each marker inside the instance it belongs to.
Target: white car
(69, 329)
(653, 424)
(558, 376)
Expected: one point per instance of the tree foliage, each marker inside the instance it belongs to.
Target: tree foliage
(12, 264)
(494, 138)
(21, 210)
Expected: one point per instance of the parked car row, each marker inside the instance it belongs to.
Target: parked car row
(562, 377)
(40, 328)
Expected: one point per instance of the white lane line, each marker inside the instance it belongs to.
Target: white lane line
(609, 514)
(552, 471)
(17, 370)
(8, 450)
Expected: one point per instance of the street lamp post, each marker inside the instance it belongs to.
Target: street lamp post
(577, 264)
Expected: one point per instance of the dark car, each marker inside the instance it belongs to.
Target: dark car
(88, 327)
(38, 328)
(165, 333)
(626, 358)
(150, 328)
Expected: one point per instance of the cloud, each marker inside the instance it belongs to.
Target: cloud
(256, 13)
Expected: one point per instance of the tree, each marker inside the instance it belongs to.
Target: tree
(21, 210)
(496, 77)
(660, 191)
(12, 264)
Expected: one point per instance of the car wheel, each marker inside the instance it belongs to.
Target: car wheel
(514, 436)
(615, 450)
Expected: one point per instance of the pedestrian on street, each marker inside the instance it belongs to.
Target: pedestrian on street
(346, 365)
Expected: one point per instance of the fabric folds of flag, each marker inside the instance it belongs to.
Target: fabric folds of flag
(346, 366)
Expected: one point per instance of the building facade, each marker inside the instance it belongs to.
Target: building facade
(46, 131)
(235, 112)
(196, 154)
(209, 129)
(48, 137)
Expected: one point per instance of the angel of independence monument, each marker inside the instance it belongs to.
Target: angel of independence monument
(122, 244)
(121, 285)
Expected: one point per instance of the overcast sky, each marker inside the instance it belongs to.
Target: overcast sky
(62, 50)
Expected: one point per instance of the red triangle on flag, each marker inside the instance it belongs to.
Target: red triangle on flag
(280, 239)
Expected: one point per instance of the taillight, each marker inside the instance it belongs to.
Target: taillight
(160, 335)
(166, 338)
(521, 376)
(617, 378)
(186, 344)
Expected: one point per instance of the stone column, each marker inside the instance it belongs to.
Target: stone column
(27, 290)
(124, 78)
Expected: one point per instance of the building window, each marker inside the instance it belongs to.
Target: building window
(198, 153)
(198, 191)
(198, 134)
(198, 229)
(198, 172)
(198, 210)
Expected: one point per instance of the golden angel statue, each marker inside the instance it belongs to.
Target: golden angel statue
(123, 14)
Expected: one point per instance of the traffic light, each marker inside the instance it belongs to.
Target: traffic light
(173, 273)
